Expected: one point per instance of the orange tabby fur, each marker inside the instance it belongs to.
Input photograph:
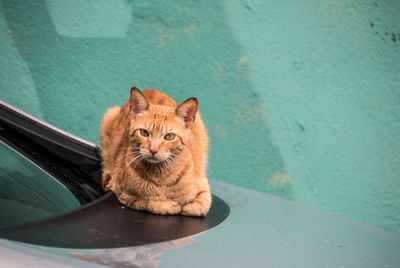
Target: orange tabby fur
(150, 172)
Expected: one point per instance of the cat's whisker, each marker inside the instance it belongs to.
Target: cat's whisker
(128, 148)
(140, 159)
(136, 158)
(175, 155)
(170, 164)
(134, 153)
(133, 160)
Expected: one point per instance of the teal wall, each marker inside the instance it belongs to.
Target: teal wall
(301, 98)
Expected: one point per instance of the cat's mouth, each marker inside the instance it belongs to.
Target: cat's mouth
(153, 159)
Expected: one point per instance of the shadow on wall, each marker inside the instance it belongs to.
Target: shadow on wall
(16, 84)
(84, 57)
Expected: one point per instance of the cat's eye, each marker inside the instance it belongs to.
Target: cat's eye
(169, 136)
(144, 132)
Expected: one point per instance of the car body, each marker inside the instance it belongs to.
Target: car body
(89, 228)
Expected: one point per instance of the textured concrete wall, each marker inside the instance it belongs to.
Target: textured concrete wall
(301, 98)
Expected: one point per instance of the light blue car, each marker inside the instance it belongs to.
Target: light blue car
(54, 214)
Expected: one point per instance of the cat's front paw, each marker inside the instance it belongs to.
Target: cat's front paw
(167, 207)
(195, 209)
(105, 181)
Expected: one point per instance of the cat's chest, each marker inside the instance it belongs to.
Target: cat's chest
(171, 187)
(162, 181)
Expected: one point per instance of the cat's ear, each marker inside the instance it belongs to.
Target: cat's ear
(187, 111)
(138, 101)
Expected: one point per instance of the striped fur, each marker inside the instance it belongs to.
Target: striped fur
(150, 172)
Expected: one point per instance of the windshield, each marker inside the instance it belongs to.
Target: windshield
(27, 193)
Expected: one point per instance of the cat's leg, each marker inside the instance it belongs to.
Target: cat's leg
(105, 181)
(163, 207)
(125, 199)
(200, 205)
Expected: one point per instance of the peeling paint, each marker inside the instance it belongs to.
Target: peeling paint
(221, 131)
(164, 35)
(279, 180)
(338, 9)
(190, 30)
(247, 113)
(217, 70)
(241, 61)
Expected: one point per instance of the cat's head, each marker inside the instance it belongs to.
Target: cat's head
(159, 133)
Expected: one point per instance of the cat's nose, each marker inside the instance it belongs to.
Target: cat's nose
(153, 150)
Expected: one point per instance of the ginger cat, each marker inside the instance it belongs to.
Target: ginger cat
(154, 154)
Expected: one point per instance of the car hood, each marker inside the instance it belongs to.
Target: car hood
(261, 231)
